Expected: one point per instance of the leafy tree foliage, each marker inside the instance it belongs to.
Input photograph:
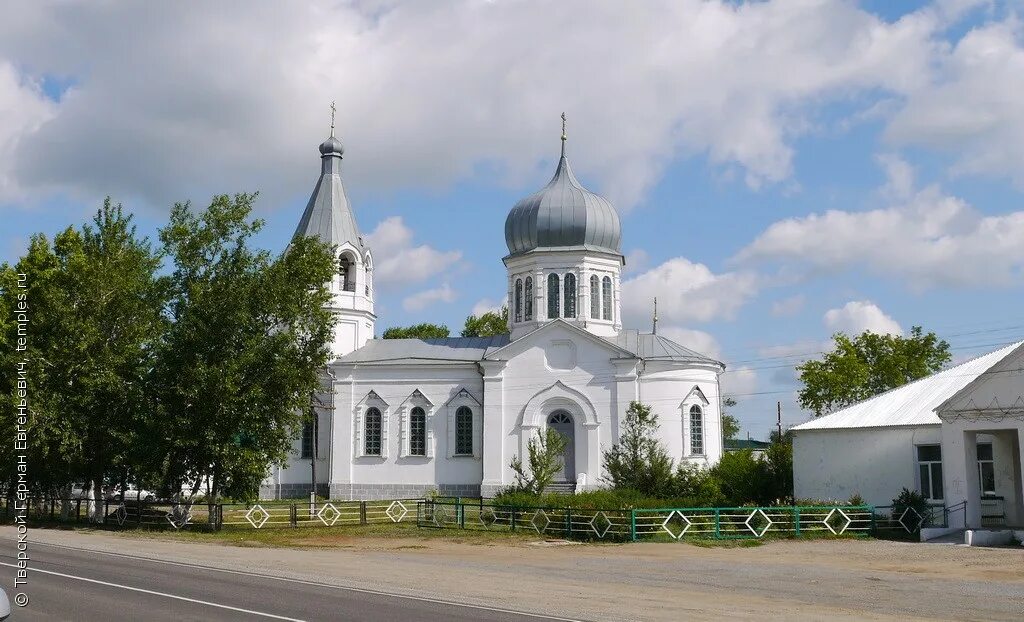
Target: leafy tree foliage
(95, 319)
(544, 459)
(730, 424)
(639, 461)
(867, 365)
(486, 325)
(245, 350)
(419, 331)
(766, 480)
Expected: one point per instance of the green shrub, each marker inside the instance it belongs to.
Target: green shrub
(914, 500)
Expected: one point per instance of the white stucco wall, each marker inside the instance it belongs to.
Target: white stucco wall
(875, 463)
(671, 390)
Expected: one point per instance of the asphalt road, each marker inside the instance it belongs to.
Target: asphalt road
(70, 584)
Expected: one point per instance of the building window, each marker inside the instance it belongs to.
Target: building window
(986, 469)
(528, 303)
(519, 300)
(570, 296)
(595, 297)
(606, 298)
(696, 431)
(929, 466)
(372, 443)
(418, 432)
(552, 296)
(307, 440)
(464, 431)
(348, 277)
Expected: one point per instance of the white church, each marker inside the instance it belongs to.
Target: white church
(402, 417)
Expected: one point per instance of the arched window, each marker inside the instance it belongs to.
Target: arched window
(569, 307)
(696, 431)
(552, 295)
(464, 431)
(606, 298)
(529, 299)
(595, 297)
(372, 444)
(308, 440)
(417, 432)
(519, 300)
(347, 273)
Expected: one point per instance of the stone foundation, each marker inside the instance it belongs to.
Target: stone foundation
(291, 491)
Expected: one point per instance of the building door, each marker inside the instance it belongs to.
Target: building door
(561, 422)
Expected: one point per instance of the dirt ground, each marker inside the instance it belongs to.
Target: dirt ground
(814, 579)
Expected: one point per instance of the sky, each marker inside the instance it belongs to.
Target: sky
(783, 169)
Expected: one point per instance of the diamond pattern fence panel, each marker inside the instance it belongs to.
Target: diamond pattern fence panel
(906, 521)
(269, 514)
(649, 524)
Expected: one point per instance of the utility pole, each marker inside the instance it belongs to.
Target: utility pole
(778, 409)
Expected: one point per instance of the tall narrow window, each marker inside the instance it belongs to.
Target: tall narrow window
(606, 298)
(464, 431)
(528, 303)
(986, 469)
(348, 277)
(696, 431)
(929, 468)
(417, 432)
(552, 295)
(372, 444)
(595, 297)
(307, 440)
(569, 307)
(519, 300)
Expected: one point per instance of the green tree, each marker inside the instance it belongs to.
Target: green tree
(730, 424)
(638, 461)
(419, 331)
(545, 453)
(96, 316)
(246, 349)
(487, 324)
(867, 365)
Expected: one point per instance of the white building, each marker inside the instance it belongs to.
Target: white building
(403, 417)
(955, 436)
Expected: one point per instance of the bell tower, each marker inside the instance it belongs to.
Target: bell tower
(328, 216)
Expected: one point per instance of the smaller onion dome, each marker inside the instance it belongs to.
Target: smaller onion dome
(331, 146)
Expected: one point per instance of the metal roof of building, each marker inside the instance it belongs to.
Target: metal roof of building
(913, 403)
(737, 444)
(411, 351)
(654, 347)
(563, 215)
(328, 215)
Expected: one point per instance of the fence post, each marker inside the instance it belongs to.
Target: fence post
(568, 522)
(78, 510)
(632, 525)
(796, 519)
(294, 515)
(873, 526)
(138, 508)
(512, 524)
(462, 514)
(362, 512)
(718, 523)
(53, 507)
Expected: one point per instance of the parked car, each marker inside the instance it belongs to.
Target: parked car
(5, 605)
(132, 493)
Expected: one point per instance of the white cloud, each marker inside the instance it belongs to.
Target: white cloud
(687, 292)
(486, 305)
(858, 316)
(696, 340)
(637, 260)
(203, 103)
(23, 108)
(929, 239)
(422, 300)
(974, 105)
(788, 306)
(397, 261)
(739, 382)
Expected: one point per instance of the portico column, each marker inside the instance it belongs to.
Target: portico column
(972, 486)
(494, 427)
(592, 437)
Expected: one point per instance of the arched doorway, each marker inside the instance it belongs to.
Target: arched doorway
(561, 422)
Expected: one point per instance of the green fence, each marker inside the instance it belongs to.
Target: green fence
(648, 524)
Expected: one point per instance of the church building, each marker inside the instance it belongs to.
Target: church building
(402, 417)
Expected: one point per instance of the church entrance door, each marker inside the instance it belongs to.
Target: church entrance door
(561, 422)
